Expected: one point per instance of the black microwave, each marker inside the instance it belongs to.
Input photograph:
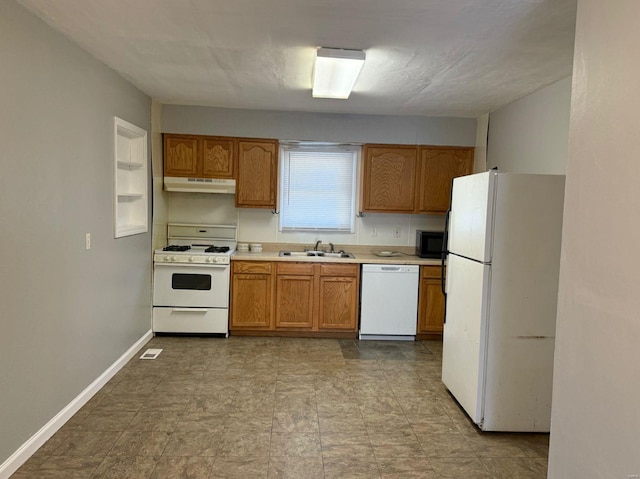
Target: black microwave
(429, 244)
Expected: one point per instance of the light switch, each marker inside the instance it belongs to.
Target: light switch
(87, 241)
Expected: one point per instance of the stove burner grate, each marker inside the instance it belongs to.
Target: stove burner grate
(217, 249)
(174, 247)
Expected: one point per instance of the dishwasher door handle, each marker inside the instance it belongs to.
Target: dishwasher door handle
(390, 268)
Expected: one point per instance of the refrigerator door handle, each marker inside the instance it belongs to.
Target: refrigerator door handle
(443, 257)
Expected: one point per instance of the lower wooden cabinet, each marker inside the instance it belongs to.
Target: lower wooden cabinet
(251, 295)
(295, 284)
(307, 298)
(338, 303)
(430, 303)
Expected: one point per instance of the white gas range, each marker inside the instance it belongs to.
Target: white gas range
(191, 279)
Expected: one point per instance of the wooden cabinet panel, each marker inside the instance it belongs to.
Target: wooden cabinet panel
(256, 267)
(338, 303)
(296, 268)
(257, 177)
(251, 295)
(290, 297)
(437, 169)
(294, 301)
(389, 178)
(181, 155)
(331, 269)
(218, 157)
(431, 302)
(430, 271)
(197, 156)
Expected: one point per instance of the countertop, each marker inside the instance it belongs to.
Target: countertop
(362, 255)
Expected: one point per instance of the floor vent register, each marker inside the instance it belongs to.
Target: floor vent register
(151, 354)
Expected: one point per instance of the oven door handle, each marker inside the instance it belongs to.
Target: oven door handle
(187, 265)
(190, 310)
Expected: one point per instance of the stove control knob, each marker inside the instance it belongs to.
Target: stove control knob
(192, 259)
(219, 259)
(211, 259)
(169, 258)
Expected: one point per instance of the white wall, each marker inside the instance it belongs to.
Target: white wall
(66, 314)
(596, 401)
(530, 135)
(258, 225)
(160, 203)
(480, 154)
(319, 126)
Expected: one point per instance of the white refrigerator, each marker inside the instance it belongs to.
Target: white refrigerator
(503, 239)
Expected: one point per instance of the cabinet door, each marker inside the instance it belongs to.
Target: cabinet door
(181, 155)
(251, 296)
(294, 301)
(438, 167)
(431, 301)
(257, 178)
(218, 157)
(338, 303)
(389, 178)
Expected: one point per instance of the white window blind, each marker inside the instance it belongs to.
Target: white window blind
(318, 188)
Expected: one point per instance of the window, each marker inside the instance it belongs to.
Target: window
(318, 187)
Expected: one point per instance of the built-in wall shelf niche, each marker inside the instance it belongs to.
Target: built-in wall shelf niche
(131, 187)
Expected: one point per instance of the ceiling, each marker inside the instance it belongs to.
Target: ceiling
(460, 58)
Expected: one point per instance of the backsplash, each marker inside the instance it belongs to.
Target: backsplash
(261, 225)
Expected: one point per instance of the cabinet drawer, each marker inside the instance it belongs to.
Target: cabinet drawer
(295, 268)
(431, 271)
(328, 269)
(255, 267)
(190, 320)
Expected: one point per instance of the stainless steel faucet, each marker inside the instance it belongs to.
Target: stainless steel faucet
(331, 249)
(318, 243)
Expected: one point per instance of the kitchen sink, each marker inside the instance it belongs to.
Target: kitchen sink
(322, 254)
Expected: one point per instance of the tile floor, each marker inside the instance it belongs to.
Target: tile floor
(255, 408)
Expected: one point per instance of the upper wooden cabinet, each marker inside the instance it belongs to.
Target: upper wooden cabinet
(389, 178)
(218, 157)
(438, 166)
(257, 177)
(199, 156)
(181, 155)
(411, 179)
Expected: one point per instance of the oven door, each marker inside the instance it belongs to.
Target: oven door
(191, 286)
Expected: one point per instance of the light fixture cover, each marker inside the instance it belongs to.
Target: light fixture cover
(335, 72)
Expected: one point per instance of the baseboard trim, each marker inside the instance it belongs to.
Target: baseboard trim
(25, 451)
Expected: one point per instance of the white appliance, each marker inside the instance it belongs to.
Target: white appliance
(389, 301)
(504, 235)
(200, 185)
(191, 279)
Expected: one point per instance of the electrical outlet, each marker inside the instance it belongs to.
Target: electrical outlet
(374, 231)
(87, 241)
(396, 232)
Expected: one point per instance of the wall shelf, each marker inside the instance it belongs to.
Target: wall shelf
(130, 196)
(129, 165)
(130, 179)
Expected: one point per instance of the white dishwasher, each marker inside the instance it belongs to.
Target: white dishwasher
(389, 301)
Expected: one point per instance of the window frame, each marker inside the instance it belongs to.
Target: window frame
(322, 147)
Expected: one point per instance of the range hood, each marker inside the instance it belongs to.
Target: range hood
(200, 185)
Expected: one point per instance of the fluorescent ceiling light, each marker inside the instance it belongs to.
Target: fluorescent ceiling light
(335, 72)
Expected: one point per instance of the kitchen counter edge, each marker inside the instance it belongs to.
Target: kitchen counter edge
(360, 258)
